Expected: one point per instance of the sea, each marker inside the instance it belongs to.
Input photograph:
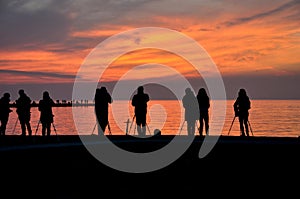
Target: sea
(267, 118)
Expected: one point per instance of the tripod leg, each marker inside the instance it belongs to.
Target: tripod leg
(131, 124)
(37, 127)
(181, 127)
(148, 129)
(15, 126)
(109, 128)
(127, 122)
(94, 128)
(250, 128)
(231, 125)
(134, 129)
(55, 131)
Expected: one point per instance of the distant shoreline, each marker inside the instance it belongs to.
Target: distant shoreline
(58, 105)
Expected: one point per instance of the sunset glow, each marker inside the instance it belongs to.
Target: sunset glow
(44, 42)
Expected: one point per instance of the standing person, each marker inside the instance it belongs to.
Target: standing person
(102, 100)
(241, 109)
(4, 112)
(139, 101)
(190, 104)
(46, 116)
(23, 104)
(204, 104)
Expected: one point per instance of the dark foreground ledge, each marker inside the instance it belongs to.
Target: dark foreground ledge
(61, 167)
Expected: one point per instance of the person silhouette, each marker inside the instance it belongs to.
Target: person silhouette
(190, 104)
(46, 115)
(241, 109)
(139, 101)
(204, 105)
(4, 112)
(102, 100)
(23, 104)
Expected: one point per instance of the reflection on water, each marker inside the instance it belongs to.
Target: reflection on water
(267, 118)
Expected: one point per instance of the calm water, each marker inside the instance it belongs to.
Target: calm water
(267, 118)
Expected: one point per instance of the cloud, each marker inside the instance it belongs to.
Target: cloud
(291, 4)
(36, 73)
(21, 26)
(206, 29)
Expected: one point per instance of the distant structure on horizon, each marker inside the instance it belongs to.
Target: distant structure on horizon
(62, 103)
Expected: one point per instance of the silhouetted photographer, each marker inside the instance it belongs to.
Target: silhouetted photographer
(46, 116)
(204, 104)
(102, 100)
(4, 112)
(23, 104)
(241, 110)
(139, 101)
(190, 104)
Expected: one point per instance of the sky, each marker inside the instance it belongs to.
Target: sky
(255, 44)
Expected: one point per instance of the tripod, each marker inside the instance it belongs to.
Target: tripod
(136, 127)
(37, 128)
(108, 126)
(231, 125)
(196, 124)
(181, 127)
(148, 129)
(127, 123)
(15, 126)
(131, 124)
(247, 122)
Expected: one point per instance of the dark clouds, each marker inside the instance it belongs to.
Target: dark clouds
(283, 7)
(37, 74)
(31, 24)
(21, 27)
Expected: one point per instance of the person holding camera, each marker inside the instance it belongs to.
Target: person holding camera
(46, 117)
(139, 101)
(241, 110)
(23, 104)
(102, 101)
(4, 112)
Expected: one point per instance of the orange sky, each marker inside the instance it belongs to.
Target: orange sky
(48, 41)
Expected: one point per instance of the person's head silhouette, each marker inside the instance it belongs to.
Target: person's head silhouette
(140, 89)
(202, 92)
(21, 92)
(188, 91)
(6, 95)
(97, 91)
(46, 95)
(242, 92)
(103, 89)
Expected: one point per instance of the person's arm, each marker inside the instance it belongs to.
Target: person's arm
(109, 98)
(29, 100)
(249, 107)
(184, 101)
(208, 103)
(235, 107)
(133, 101)
(40, 105)
(52, 103)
